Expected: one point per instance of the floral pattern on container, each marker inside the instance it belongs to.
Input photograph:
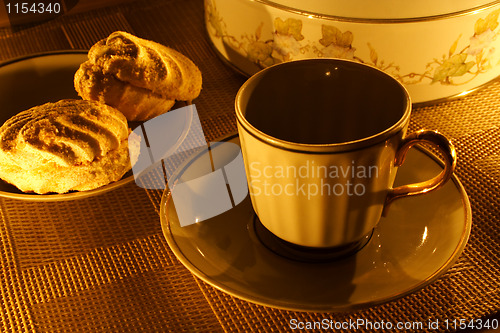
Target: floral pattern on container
(336, 44)
(288, 43)
(475, 57)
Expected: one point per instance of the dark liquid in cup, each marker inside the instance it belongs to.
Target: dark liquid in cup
(325, 102)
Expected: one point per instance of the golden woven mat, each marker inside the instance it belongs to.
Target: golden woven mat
(102, 264)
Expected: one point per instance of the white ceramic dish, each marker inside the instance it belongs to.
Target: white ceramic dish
(35, 80)
(438, 50)
(419, 240)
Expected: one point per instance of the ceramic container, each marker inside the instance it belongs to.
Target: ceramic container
(438, 50)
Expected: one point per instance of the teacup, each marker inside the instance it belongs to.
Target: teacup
(322, 140)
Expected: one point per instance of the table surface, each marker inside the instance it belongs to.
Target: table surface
(102, 263)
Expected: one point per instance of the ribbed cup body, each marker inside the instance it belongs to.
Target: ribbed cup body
(318, 200)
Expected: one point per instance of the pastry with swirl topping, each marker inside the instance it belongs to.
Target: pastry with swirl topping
(70, 145)
(141, 78)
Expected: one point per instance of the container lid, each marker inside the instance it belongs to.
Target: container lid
(382, 10)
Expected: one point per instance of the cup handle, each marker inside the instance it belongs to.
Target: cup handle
(450, 160)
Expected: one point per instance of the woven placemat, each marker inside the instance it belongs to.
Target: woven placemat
(470, 289)
(102, 264)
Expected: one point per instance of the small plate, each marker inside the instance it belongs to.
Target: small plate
(419, 240)
(35, 80)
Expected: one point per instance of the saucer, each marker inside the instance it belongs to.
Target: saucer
(420, 238)
(38, 79)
